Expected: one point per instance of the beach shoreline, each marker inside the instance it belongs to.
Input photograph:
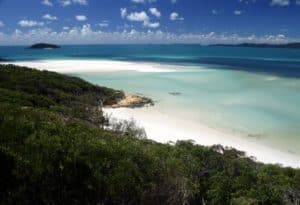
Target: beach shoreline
(90, 66)
(161, 126)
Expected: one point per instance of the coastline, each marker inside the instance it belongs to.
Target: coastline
(163, 128)
(91, 66)
(160, 126)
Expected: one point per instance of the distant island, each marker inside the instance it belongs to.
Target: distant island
(262, 45)
(44, 46)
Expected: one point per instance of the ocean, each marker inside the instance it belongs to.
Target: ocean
(253, 93)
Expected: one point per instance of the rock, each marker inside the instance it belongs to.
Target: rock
(254, 135)
(133, 101)
(174, 93)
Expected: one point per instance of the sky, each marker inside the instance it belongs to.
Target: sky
(24, 22)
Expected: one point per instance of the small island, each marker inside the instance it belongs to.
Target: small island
(262, 45)
(44, 46)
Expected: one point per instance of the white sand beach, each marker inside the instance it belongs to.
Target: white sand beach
(162, 126)
(74, 66)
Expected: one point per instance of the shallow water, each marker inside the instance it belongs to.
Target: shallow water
(255, 106)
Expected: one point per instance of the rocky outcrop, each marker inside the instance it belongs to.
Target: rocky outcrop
(133, 101)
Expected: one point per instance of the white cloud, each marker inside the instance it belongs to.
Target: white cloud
(214, 12)
(86, 30)
(297, 2)
(47, 3)
(173, 1)
(237, 12)
(280, 2)
(30, 23)
(138, 1)
(143, 1)
(151, 25)
(247, 1)
(1, 24)
(65, 3)
(81, 18)
(80, 2)
(49, 17)
(123, 12)
(17, 32)
(86, 35)
(138, 16)
(155, 12)
(103, 23)
(141, 17)
(66, 28)
(175, 16)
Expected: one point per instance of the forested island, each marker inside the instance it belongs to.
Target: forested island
(44, 46)
(262, 45)
(57, 147)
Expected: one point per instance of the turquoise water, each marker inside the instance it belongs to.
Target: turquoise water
(253, 92)
(251, 105)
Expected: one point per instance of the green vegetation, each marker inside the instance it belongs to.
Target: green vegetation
(295, 45)
(44, 46)
(71, 96)
(53, 152)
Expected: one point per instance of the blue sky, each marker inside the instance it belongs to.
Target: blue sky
(149, 21)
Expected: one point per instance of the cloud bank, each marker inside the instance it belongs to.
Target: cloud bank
(86, 35)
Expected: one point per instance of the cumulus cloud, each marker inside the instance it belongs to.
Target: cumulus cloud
(47, 3)
(81, 17)
(1, 24)
(123, 12)
(30, 23)
(280, 2)
(141, 16)
(65, 3)
(50, 17)
(175, 16)
(138, 1)
(81, 2)
(143, 1)
(155, 12)
(247, 1)
(138, 16)
(151, 25)
(103, 23)
(237, 12)
(87, 35)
